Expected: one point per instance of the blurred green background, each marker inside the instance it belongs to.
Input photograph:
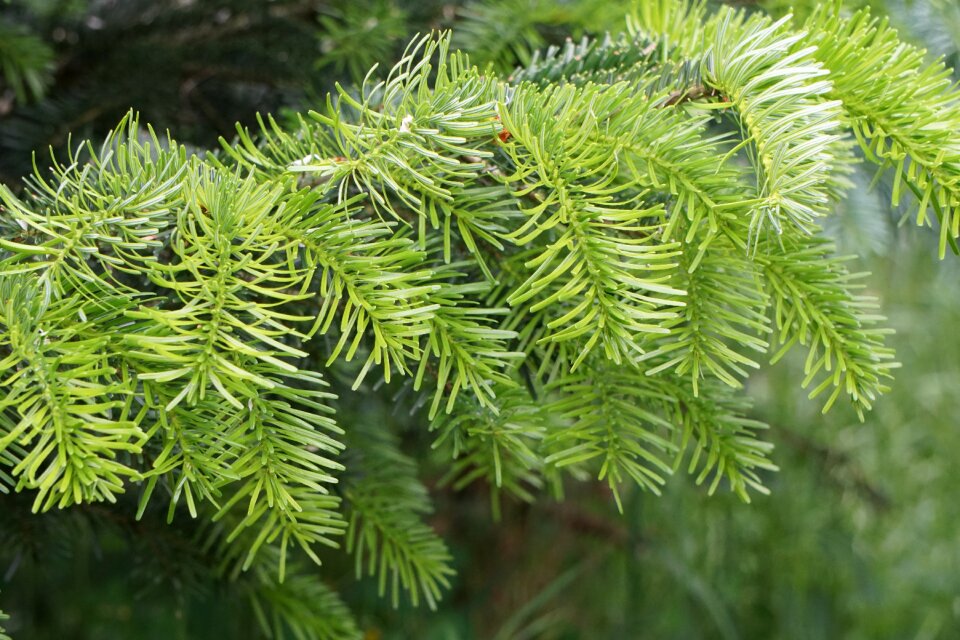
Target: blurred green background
(859, 539)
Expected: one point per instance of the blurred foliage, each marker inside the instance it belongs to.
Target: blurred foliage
(359, 35)
(25, 61)
(857, 540)
(505, 33)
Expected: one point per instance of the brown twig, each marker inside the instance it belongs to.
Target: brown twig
(696, 92)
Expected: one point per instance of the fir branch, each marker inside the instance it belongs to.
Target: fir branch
(365, 275)
(385, 505)
(499, 444)
(25, 60)
(602, 257)
(224, 256)
(283, 467)
(723, 440)
(400, 140)
(96, 218)
(909, 141)
(724, 316)
(606, 60)
(463, 349)
(815, 304)
(666, 150)
(300, 607)
(570, 261)
(69, 429)
(777, 88)
(611, 425)
(191, 461)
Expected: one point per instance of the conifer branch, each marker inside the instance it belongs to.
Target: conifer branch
(602, 257)
(815, 303)
(722, 440)
(775, 86)
(72, 426)
(299, 607)
(910, 142)
(386, 534)
(470, 354)
(500, 445)
(724, 316)
(576, 265)
(26, 61)
(612, 424)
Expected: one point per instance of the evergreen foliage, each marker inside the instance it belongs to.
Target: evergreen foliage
(25, 60)
(565, 272)
(857, 539)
